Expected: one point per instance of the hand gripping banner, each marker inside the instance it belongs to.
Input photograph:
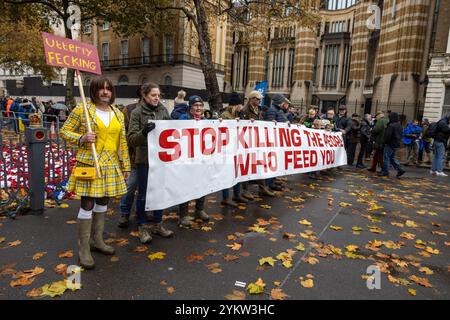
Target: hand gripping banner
(190, 159)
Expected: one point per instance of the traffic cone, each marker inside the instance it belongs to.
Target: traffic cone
(53, 131)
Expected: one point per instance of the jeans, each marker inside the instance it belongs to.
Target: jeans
(126, 202)
(142, 176)
(362, 151)
(412, 151)
(389, 158)
(183, 208)
(236, 191)
(439, 154)
(351, 151)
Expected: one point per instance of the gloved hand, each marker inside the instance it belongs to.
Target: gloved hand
(147, 128)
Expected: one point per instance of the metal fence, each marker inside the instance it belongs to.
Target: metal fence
(14, 168)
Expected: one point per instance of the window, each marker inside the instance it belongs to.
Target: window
(346, 67)
(339, 4)
(105, 25)
(145, 50)
(168, 80)
(124, 52)
(245, 68)
(316, 65)
(279, 57)
(87, 27)
(331, 65)
(291, 66)
(168, 48)
(123, 80)
(105, 53)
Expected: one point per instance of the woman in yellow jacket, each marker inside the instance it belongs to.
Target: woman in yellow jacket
(108, 134)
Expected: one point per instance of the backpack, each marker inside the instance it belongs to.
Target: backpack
(432, 130)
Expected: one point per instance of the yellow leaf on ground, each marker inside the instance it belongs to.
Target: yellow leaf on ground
(206, 229)
(345, 204)
(336, 228)
(309, 283)
(235, 246)
(421, 281)
(229, 257)
(114, 259)
(122, 242)
(257, 287)
(34, 293)
(311, 260)
(170, 290)
(257, 229)
(407, 235)
(412, 292)
(54, 289)
(305, 222)
(265, 206)
(300, 247)
(236, 295)
(39, 255)
(2, 239)
(397, 224)
(140, 249)
(278, 294)
(426, 270)
(61, 269)
(287, 264)
(351, 248)
(14, 243)
(431, 250)
(157, 256)
(21, 282)
(63, 205)
(66, 254)
(411, 224)
(71, 222)
(268, 260)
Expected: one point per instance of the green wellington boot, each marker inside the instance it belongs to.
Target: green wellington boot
(84, 253)
(98, 225)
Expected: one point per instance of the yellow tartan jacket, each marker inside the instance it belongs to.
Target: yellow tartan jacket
(75, 127)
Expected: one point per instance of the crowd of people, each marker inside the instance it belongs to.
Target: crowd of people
(120, 137)
(22, 108)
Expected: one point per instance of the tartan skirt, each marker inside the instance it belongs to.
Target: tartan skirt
(111, 184)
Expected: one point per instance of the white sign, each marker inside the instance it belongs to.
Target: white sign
(190, 159)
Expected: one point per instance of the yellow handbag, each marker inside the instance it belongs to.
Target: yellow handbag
(85, 173)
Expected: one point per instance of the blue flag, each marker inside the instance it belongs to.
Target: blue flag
(262, 87)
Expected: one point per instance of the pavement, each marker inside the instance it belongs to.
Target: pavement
(199, 264)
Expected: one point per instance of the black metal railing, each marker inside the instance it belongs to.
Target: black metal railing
(155, 60)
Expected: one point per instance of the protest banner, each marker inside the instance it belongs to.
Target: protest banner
(190, 159)
(67, 53)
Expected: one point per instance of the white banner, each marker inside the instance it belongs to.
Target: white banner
(190, 159)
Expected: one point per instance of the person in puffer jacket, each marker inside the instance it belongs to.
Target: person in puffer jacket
(181, 106)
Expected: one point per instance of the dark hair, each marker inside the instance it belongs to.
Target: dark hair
(98, 84)
(147, 87)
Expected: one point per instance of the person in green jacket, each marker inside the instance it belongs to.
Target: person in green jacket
(378, 137)
(150, 108)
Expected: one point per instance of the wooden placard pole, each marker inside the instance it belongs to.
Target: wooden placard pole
(88, 123)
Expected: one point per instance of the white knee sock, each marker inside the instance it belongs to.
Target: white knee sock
(100, 209)
(84, 214)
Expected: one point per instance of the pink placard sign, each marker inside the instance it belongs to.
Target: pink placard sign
(67, 53)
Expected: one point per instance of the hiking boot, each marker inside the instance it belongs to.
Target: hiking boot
(161, 231)
(186, 222)
(240, 199)
(229, 203)
(201, 214)
(98, 226)
(144, 234)
(400, 173)
(84, 235)
(247, 195)
(124, 221)
(264, 191)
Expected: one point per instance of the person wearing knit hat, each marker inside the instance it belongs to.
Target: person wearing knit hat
(181, 107)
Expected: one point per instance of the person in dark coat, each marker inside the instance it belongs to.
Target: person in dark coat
(181, 106)
(353, 138)
(440, 143)
(378, 138)
(277, 111)
(392, 139)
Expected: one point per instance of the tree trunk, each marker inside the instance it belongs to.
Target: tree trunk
(204, 47)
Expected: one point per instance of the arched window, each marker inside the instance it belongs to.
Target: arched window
(123, 80)
(168, 80)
